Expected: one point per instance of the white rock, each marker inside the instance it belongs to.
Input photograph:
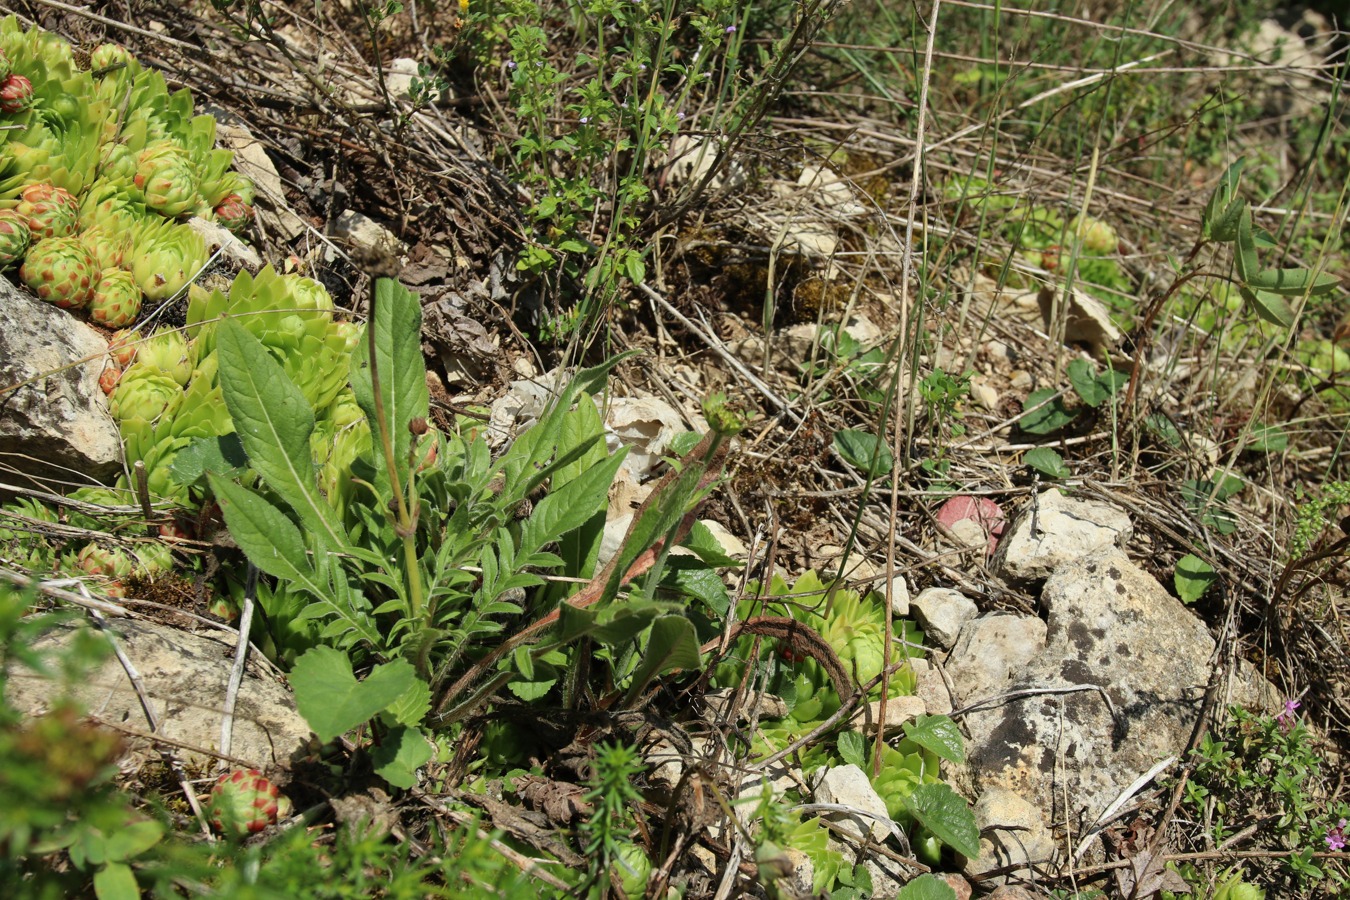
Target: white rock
(1066, 529)
(645, 425)
(57, 423)
(899, 596)
(941, 613)
(731, 545)
(984, 393)
(991, 652)
(928, 685)
(691, 158)
(1012, 833)
(366, 238)
(848, 786)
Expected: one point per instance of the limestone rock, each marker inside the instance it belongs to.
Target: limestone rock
(848, 786)
(1110, 626)
(941, 612)
(990, 652)
(184, 676)
(899, 596)
(1056, 529)
(1012, 833)
(58, 423)
(898, 711)
(929, 686)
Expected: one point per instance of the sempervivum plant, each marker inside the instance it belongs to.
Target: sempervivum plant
(16, 94)
(117, 299)
(166, 352)
(144, 394)
(244, 802)
(108, 244)
(165, 257)
(165, 178)
(51, 211)
(123, 346)
(60, 271)
(14, 237)
(234, 213)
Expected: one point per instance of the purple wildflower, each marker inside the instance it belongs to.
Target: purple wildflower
(585, 119)
(1336, 837)
(510, 63)
(731, 29)
(1286, 718)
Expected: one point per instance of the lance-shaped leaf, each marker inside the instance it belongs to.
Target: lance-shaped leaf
(1245, 255)
(269, 539)
(1219, 220)
(402, 375)
(1292, 282)
(673, 644)
(1268, 306)
(274, 422)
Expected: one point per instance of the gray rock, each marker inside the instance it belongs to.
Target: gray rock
(1065, 530)
(848, 786)
(941, 612)
(57, 425)
(184, 676)
(990, 652)
(898, 711)
(1012, 833)
(1110, 626)
(899, 596)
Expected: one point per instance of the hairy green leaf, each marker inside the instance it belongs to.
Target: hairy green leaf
(926, 887)
(1245, 253)
(1048, 418)
(402, 375)
(1047, 461)
(1292, 282)
(864, 451)
(269, 539)
(852, 749)
(274, 422)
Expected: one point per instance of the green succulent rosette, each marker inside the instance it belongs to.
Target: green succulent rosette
(116, 301)
(22, 546)
(111, 204)
(305, 341)
(57, 139)
(144, 395)
(60, 271)
(166, 351)
(340, 438)
(166, 179)
(166, 256)
(51, 211)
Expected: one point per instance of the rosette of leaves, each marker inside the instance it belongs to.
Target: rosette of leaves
(341, 437)
(61, 133)
(109, 204)
(166, 351)
(291, 317)
(22, 542)
(166, 255)
(143, 396)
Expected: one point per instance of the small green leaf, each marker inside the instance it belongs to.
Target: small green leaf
(1048, 462)
(331, 699)
(1265, 305)
(706, 547)
(1222, 199)
(1245, 254)
(401, 752)
(942, 811)
(116, 881)
(673, 644)
(692, 577)
(926, 887)
(412, 707)
(1083, 377)
(938, 734)
(1192, 578)
(1269, 439)
(132, 840)
(852, 748)
(570, 506)
(864, 451)
(1048, 418)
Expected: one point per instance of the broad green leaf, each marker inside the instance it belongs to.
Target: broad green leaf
(852, 748)
(673, 644)
(610, 626)
(938, 734)
(1265, 305)
(274, 422)
(1269, 438)
(1292, 282)
(132, 840)
(401, 752)
(1161, 427)
(1083, 377)
(926, 887)
(402, 375)
(1048, 418)
(1192, 578)
(942, 811)
(116, 881)
(524, 660)
(223, 455)
(1048, 462)
(864, 451)
(333, 702)
(269, 539)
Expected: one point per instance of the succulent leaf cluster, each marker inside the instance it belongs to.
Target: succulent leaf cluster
(106, 154)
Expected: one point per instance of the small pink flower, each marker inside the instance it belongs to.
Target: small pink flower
(1336, 837)
(1286, 718)
(731, 29)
